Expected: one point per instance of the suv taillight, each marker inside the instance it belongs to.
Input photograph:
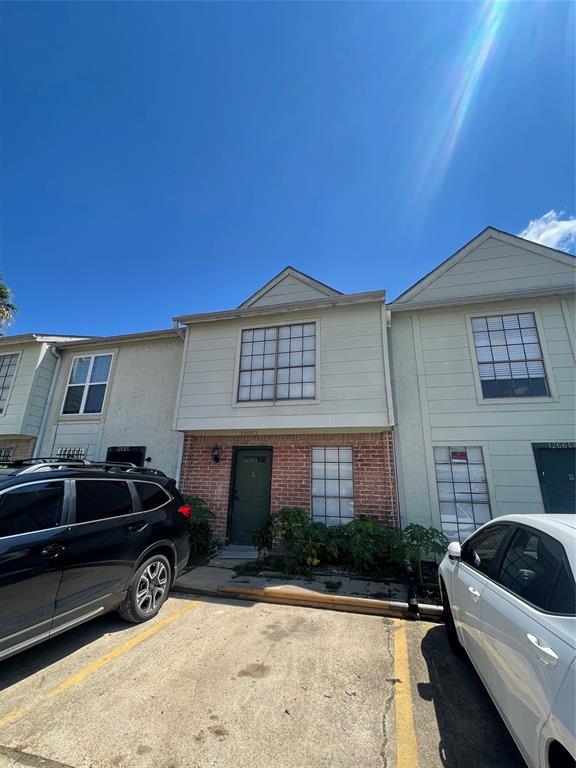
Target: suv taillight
(185, 510)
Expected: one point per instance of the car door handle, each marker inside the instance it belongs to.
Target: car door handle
(52, 550)
(137, 527)
(475, 594)
(546, 655)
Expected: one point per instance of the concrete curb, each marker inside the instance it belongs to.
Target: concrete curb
(308, 599)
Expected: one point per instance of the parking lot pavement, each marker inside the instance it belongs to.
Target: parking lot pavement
(230, 684)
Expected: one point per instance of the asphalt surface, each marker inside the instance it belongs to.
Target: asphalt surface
(229, 684)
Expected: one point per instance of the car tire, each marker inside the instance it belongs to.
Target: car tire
(455, 643)
(148, 590)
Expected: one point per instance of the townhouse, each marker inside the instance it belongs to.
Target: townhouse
(286, 401)
(113, 400)
(484, 374)
(451, 405)
(27, 366)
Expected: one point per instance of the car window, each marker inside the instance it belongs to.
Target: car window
(151, 495)
(563, 597)
(480, 551)
(530, 566)
(32, 507)
(99, 499)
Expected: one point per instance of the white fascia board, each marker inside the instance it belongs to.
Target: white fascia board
(277, 309)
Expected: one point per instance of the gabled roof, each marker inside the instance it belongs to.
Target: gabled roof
(428, 290)
(291, 276)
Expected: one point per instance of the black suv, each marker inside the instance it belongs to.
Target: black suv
(78, 539)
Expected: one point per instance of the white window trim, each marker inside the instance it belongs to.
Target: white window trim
(81, 414)
(11, 388)
(274, 403)
(457, 442)
(511, 310)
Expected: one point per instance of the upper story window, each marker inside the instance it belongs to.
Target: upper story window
(7, 370)
(278, 363)
(87, 384)
(509, 356)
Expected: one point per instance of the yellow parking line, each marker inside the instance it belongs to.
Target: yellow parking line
(82, 674)
(406, 747)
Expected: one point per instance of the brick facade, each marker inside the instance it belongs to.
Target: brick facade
(20, 448)
(374, 471)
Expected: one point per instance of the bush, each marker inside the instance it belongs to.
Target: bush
(419, 541)
(263, 537)
(362, 542)
(200, 526)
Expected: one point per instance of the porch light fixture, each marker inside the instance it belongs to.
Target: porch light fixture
(216, 454)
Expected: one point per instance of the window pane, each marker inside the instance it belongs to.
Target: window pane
(79, 371)
(530, 564)
(296, 345)
(247, 335)
(509, 337)
(100, 499)
(283, 375)
(244, 393)
(268, 392)
(308, 390)
(258, 348)
(480, 552)
(308, 358)
(151, 495)
(95, 398)
(257, 377)
(295, 391)
(101, 368)
(563, 598)
(73, 400)
(284, 332)
(336, 492)
(461, 478)
(32, 507)
(259, 334)
(282, 391)
(309, 329)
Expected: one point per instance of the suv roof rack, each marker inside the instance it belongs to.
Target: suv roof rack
(40, 463)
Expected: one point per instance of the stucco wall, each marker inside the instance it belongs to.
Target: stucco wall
(139, 405)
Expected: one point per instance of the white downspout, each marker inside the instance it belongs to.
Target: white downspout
(54, 351)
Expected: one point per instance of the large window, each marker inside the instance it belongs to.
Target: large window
(462, 490)
(87, 384)
(332, 486)
(31, 507)
(7, 370)
(509, 356)
(278, 363)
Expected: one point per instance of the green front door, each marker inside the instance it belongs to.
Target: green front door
(556, 464)
(250, 493)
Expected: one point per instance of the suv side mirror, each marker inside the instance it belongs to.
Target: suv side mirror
(454, 550)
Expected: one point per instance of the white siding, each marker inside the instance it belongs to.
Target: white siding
(139, 408)
(438, 403)
(39, 391)
(12, 421)
(288, 290)
(350, 376)
(496, 267)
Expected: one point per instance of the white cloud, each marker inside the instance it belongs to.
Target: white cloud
(553, 231)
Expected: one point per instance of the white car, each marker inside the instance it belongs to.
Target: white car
(510, 602)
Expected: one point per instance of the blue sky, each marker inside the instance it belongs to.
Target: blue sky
(165, 158)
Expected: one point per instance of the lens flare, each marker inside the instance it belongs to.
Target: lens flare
(450, 107)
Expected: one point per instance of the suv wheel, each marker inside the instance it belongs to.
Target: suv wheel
(455, 644)
(148, 590)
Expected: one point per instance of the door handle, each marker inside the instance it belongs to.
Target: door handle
(475, 594)
(52, 550)
(137, 527)
(546, 655)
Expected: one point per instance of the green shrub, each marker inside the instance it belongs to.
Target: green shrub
(263, 537)
(363, 543)
(419, 541)
(200, 526)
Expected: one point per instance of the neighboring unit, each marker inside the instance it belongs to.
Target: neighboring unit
(27, 366)
(114, 400)
(484, 372)
(285, 401)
